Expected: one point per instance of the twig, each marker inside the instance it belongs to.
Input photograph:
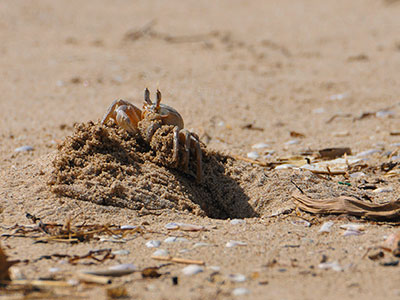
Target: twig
(179, 260)
(143, 31)
(297, 186)
(337, 116)
(38, 283)
(328, 172)
(252, 161)
(89, 278)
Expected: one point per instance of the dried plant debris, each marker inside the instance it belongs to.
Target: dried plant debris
(108, 166)
(69, 233)
(347, 205)
(119, 292)
(98, 256)
(392, 244)
(5, 264)
(331, 153)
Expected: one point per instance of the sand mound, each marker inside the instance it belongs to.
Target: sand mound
(108, 166)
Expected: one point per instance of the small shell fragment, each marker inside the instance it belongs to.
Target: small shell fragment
(368, 152)
(349, 232)
(341, 133)
(352, 229)
(117, 270)
(127, 227)
(190, 227)
(161, 252)
(387, 189)
(285, 166)
(54, 270)
(172, 226)
(331, 265)
(392, 242)
(231, 244)
(184, 227)
(153, 244)
(170, 239)
(357, 174)
(192, 270)
(113, 239)
(292, 142)
(174, 239)
(24, 149)
(214, 268)
(237, 222)
(336, 97)
(253, 155)
(352, 226)
(318, 110)
(326, 227)
(240, 291)
(260, 146)
(121, 252)
(301, 222)
(201, 244)
(384, 113)
(237, 277)
(123, 267)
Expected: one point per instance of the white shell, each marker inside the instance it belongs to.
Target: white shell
(161, 252)
(121, 252)
(326, 227)
(368, 152)
(192, 270)
(184, 227)
(292, 142)
(352, 226)
(253, 155)
(387, 189)
(201, 244)
(237, 222)
(260, 146)
(240, 291)
(174, 239)
(24, 149)
(153, 244)
(331, 265)
(231, 244)
(237, 277)
(127, 227)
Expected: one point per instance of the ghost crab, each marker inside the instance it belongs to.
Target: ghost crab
(127, 116)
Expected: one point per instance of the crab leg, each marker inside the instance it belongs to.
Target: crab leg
(110, 113)
(176, 145)
(127, 118)
(185, 137)
(151, 130)
(199, 171)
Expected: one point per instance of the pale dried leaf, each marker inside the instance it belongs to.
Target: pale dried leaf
(347, 205)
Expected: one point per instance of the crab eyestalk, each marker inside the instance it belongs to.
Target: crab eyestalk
(158, 100)
(147, 96)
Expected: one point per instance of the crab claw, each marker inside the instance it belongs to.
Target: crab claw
(124, 114)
